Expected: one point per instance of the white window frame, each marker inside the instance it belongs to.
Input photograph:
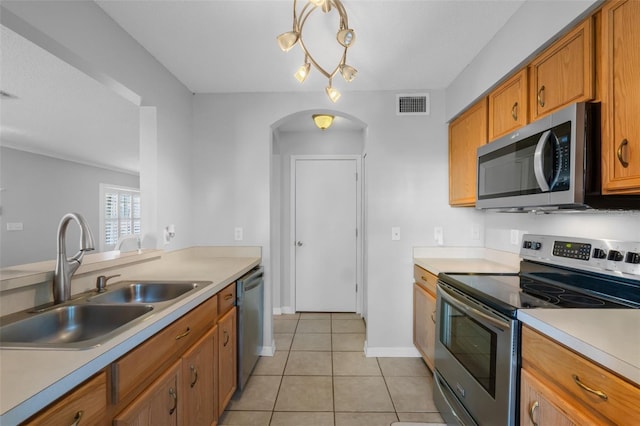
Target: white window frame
(104, 188)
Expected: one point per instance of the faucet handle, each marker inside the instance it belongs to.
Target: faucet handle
(101, 282)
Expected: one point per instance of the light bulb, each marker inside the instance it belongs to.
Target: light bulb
(303, 72)
(348, 72)
(333, 94)
(287, 40)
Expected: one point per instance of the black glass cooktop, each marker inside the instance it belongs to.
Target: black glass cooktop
(543, 286)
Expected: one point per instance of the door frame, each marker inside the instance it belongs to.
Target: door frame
(292, 224)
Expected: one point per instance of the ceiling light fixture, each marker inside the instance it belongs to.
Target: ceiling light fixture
(345, 36)
(323, 121)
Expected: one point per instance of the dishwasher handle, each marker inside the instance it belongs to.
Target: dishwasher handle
(251, 280)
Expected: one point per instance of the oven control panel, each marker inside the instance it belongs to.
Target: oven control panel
(620, 258)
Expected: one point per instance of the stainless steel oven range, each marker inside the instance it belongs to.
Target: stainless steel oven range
(477, 358)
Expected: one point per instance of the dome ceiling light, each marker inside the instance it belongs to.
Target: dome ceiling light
(323, 121)
(345, 37)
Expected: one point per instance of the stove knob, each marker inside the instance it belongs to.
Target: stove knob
(632, 257)
(599, 253)
(526, 244)
(615, 255)
(536, 245)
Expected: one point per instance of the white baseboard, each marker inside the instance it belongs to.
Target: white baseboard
(283, 310)
(386, 352)
(269, 350)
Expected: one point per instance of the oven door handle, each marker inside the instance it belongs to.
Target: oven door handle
(473, 312)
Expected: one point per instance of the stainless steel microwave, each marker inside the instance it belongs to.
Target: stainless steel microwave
(553, 163)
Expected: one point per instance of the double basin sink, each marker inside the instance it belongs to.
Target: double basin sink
(89, 321)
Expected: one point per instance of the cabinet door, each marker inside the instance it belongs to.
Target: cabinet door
(227, 363)
(86, 404)
(564, 73)
(424, 326)
(466, 134)
(508, 106)
(621, 96)
(541, 406)
(198, 384)
(157, 405)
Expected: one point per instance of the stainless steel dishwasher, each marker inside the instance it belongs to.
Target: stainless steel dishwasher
(250, 304)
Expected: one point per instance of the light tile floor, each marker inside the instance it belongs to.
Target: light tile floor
(319, 376)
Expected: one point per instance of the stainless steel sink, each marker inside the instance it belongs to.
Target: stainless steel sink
(75, 326)
(144, 292)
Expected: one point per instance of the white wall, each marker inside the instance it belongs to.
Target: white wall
(37, 191)
(533, 24)
(83, 28)
(406, 181)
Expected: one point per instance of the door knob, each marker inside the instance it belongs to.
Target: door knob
(299, 243)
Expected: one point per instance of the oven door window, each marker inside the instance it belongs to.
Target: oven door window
(472, 344)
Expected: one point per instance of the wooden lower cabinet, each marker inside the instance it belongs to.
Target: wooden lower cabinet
(424, 314)
(562, 387)
(198, 390)
(540, 405)
(424, 326)
(86, 404)
(157, 405)
(227, 361)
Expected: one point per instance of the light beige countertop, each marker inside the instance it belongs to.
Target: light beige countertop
(32, 379)
(461, 259)
(609, 337)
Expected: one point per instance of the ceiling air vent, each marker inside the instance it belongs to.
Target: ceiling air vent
(413, 104)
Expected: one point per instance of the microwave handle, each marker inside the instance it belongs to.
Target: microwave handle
(538, 161)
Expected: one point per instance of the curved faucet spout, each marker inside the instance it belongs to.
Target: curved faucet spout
(66, 267)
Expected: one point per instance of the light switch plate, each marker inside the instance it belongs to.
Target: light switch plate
(395, 233)
(438, 235)
(237, 234)
(14, 226)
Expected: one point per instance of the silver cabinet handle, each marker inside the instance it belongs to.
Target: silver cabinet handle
(194, 374)
(185, 334)
(299, 243)
(77, 417)
(601, 394)
(174, 396)
(532, 410)
(540, 96)
(623, 144)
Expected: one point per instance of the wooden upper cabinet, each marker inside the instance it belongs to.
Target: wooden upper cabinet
(621, 97)
(466, 134)
(508, 106)
(563, 73)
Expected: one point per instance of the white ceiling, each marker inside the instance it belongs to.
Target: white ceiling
(230, 46)
(61, 112)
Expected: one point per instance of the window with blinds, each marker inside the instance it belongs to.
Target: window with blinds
(120, 213)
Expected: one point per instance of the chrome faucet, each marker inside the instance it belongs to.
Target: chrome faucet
(122, 240)
(66, 267)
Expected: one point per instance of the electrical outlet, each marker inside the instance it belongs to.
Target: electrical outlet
(237, 234)
(438, 235)
(515, 237)
(395, 233)
(475, 232)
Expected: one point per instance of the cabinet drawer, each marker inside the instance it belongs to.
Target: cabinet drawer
(89, 401)
(564, 369)
(226, 299)
(425, 279)
(142, 365)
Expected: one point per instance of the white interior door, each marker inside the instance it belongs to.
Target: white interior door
(325, 235)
